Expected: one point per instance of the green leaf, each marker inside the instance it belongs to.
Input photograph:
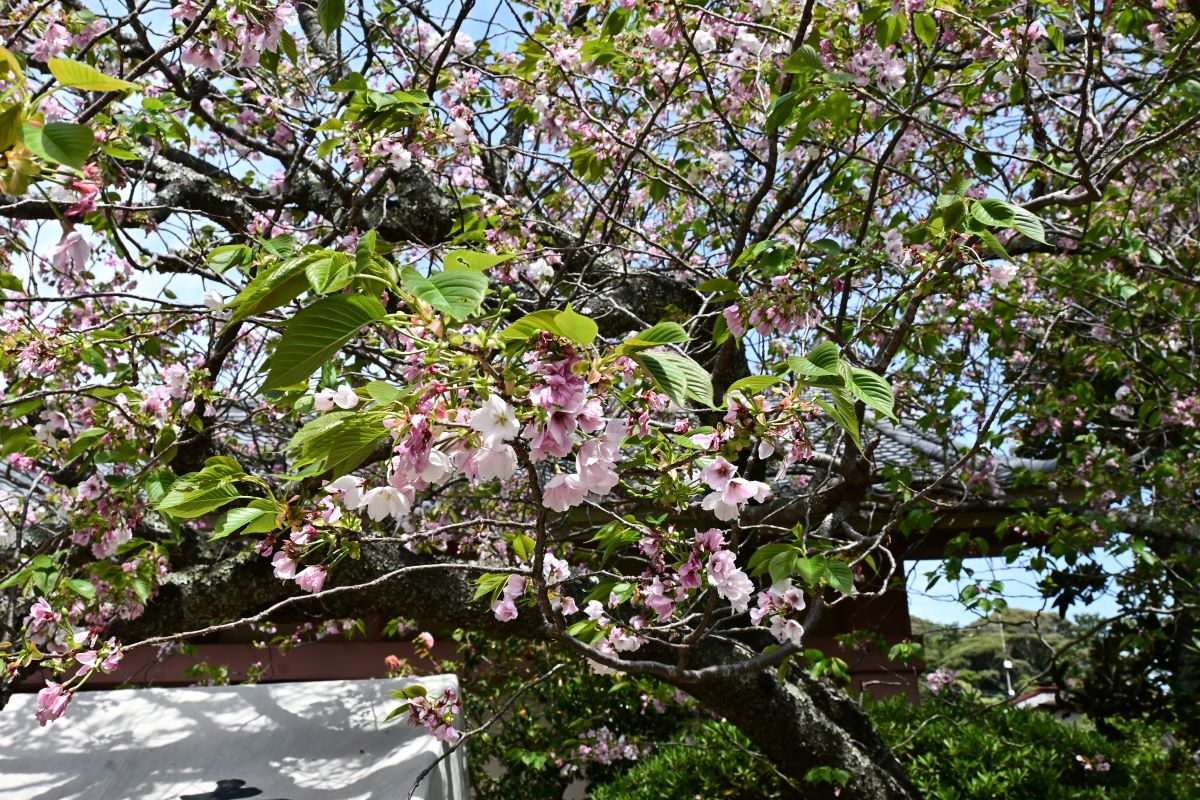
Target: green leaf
(10, 126)
(678, 376)
(782, 566)
(270, 288)
(329, 272)
(282, 246)
(1029, 225)
(355, 441)
(615, 22)
(489, 583)
(811, 570)
(254, 516)
(471, 259)
(85, 440)
(576, 327)
(364, 251)
(61, 142)
(666, 374)
(752, 385)
(925, 27)
(806, 57)
(759, 562)
(567, 324)
(889, 30)
(988, 238)
(781, 109)
(198, 493)
(331, 14)
(397, 711)
(81, 76)
(819, 367)
(993, 213)
(656, 335)
(720, 285)
(338, 441)
(84, 588)
(842, 412)
(873, 390)
(354, 82)
(530, 324)
(382, 392)
(227, 255)
(839, 576)
(523, 546)
(316, 333)
(459, 293)
(316, 427)
(11, 282)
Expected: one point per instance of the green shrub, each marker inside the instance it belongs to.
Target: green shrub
(958, 750)
(706, 760)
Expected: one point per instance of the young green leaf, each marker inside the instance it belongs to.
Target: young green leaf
(873, 390)
(459, 293)
(925, 27)
(806, 57)
(471, 259)
(329, 271)
(331, 14)
(655, 335)
(81, 76)
(679, 377)
(60, 142)
(316, 333)
(576, 327)
(752, 385)
(819, 367)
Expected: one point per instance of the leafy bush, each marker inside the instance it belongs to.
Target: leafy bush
(956, 749)
(710, 760)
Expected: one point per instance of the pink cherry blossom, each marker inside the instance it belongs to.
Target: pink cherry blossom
(718, 474)
(348, 489)
(563, 492)
(495, 460)
(505, 610)
(495, 420)
(71, 252)
(42, 612)
(285, 565)
(311, 579)
(52, 702)
(343, 397)
(731, 583)
(787, 631)
(595, 465)
(385, 501)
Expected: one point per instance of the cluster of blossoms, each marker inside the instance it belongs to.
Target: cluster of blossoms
(56, 38)
(52, 701)
(1096, 763)
(309, 579)
(437, 714)
(157, 401)
(777, 603)
(602, 746)
(249, 33)
(729, 493)
(940, 678)
(887, 70)
(780, 309)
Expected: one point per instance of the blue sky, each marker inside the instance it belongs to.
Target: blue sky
(940, 604)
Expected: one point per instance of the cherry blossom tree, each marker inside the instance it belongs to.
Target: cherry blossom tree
(581, 322)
